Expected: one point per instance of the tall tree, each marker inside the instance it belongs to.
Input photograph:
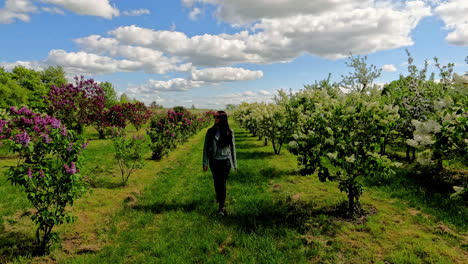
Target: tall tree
(53, 76)
(109, 93)
(31, 80)
(362, 77)
(124, 98)
(11, 93)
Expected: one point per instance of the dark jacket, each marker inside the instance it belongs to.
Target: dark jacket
(211, 151)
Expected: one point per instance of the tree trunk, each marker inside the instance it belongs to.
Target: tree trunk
(102, 135)
(408, 153)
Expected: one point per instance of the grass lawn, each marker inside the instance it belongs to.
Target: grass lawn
(167, 214)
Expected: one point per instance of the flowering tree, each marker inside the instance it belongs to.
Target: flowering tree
(174, 127)
(77, 104)
(137, 113)
(47, 168)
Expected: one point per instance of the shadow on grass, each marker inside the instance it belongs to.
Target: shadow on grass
(106, 184)
(254, 175)
(424, 190)
(288, 213)
(160, 207)
(255, 155)
(14, 245)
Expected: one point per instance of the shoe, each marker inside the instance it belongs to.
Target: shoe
(222, 212)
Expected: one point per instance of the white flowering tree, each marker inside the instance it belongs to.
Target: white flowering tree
(341, 138)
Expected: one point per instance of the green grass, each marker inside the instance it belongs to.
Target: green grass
(167, 214)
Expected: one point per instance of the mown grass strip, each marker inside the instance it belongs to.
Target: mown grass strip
(167, 214)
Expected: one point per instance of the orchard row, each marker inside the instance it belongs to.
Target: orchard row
(344, 136)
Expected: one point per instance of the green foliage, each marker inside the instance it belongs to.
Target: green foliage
(230, 107)
(53, 76)
(124, 98)
(11, 93)
(32, 81)
(129, 155)
(110, 94)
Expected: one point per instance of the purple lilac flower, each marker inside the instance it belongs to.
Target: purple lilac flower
(2, 124)
(71, 169)
(25, 111)
(85, 145)
(64, 131)
(29, 173)
(54, 122)
(41, 173)
(22, 138)
(45, 138)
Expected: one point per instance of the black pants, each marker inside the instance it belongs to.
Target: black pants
(220, 170)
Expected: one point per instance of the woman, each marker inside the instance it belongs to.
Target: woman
(219, 153)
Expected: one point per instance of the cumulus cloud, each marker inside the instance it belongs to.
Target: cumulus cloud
(100, 8)
(333, 34)
(35, 65)
(212, 101)
(137, 12)
(16, 9)
(198, 78)
(195, 13)
(389, 68)
(246, 11)
(21, 9)
(454, 14)
(151, 61)
(55, 10)
(88, 63)
(225, 74)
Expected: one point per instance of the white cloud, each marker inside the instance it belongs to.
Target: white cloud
(8, 66)
(16, 9)
(152, 61)
(225, 74)
(202, 50)
(198, 78)
(454, 14)
(100, 8)
(136, 12)
(55, 10)
(88, 63)
(212, 101)
(333, 34)
(21, 9)
(389, 68)
(195, 13)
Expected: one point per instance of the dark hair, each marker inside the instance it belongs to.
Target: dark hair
(225, 135)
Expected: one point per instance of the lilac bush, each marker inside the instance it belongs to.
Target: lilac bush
(47, 167)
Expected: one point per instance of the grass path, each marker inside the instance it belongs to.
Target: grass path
(167, 214)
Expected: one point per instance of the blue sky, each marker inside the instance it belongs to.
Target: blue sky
(210, 53)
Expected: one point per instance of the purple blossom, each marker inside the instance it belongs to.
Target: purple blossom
(70, 147)
(22, 138)
(54, 122)
(45, 138)
(2, 125)
(41, 173)
(30, 173)
(72, 169)
(63, 131)
(85, 145)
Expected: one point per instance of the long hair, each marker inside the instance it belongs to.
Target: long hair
(225, 135)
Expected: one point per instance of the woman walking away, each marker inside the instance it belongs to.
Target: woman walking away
(219, 153)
